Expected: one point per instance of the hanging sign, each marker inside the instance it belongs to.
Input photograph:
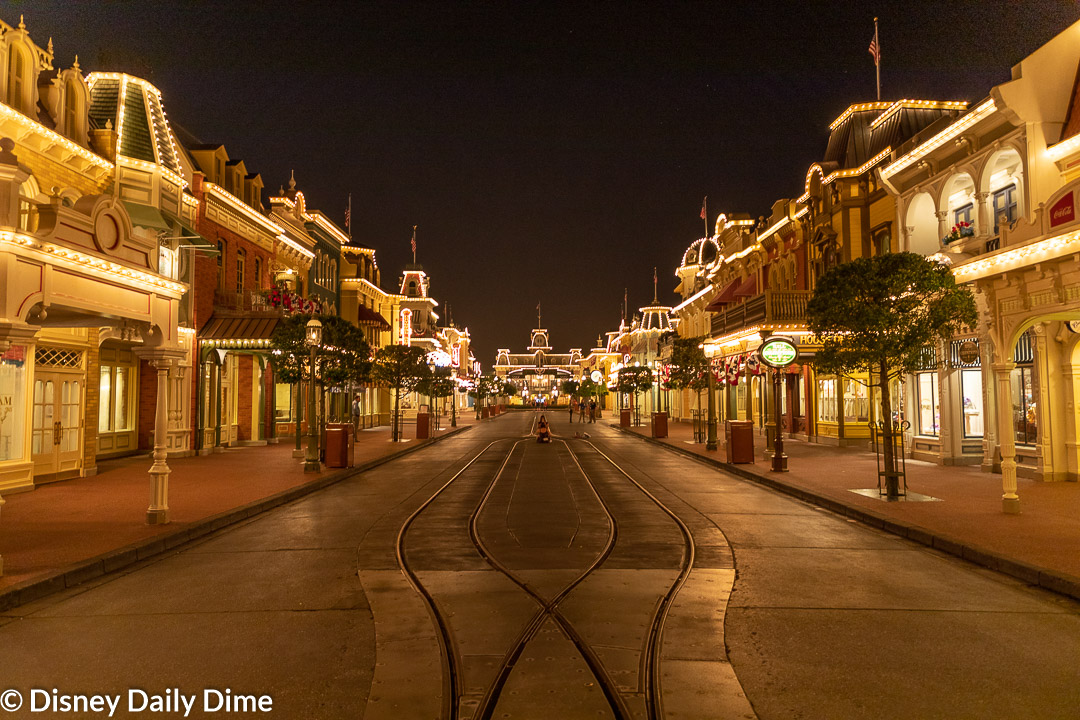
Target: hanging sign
(778, 351)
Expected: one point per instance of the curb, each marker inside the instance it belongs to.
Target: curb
(1061, 583)
(120, 558)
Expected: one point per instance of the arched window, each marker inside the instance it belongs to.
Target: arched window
(28, 215)
(17, 81)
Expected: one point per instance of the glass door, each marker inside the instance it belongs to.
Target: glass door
(57, 428)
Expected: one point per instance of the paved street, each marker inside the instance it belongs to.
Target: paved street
(489, 576)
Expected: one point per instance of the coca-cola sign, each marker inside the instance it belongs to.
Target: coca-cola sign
(1063, 211)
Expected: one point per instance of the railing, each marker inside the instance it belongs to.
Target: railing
(772, 306)
(242, 301)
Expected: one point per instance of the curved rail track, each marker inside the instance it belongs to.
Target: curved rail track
(549, 607)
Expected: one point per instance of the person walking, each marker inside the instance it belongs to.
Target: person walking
(584, 408)
(592, 411)
(573, 406)
(356, 413)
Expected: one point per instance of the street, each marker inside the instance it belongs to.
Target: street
(491, 576)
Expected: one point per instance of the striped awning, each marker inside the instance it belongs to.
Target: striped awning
(368, 317)
(243, 327)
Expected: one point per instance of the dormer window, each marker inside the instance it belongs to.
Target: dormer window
(17, 81)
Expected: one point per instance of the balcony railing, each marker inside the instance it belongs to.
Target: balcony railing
(241, 301)
(772, 307)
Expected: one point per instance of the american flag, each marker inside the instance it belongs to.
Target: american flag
(348, 214)
(413, 242)
(703, 207)
(875, 50)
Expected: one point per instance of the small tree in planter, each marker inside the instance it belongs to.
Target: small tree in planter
(401, 368)
(689, 367)
(438, 384)
(879, 315)
(633, 380)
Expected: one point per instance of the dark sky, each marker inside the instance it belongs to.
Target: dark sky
(553, 152)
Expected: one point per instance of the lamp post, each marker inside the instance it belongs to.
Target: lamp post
(710, 438)
(313, 339)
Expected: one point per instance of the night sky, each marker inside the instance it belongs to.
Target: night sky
(548, 152)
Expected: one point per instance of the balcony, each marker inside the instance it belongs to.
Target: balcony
(246, 301)
(773, 307)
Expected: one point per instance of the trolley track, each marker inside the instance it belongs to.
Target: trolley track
(549, 607)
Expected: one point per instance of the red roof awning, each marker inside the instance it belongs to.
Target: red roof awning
(748, 287)
(253, 326)
(367, 316)
(723, 297)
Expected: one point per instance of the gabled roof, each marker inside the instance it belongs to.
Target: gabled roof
(1072, 117)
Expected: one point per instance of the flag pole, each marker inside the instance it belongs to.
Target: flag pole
(877, 60)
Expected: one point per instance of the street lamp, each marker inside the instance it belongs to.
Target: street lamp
(313, 339)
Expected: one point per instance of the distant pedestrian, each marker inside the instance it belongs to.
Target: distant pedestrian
(592, 411)
(356, 412)
(573, 406)
(584, 408)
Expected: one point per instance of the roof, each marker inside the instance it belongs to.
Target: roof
(250, 326)
(1072, 117)
(864, 131)
(723, 297)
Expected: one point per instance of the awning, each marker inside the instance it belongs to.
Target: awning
(748, 287)
(244, 327)
(367, 316)
(189, 236)
(145, 216)
(723, 297)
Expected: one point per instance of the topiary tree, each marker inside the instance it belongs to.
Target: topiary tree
(879, 315)
(438, 384)
(689, 367)
(634, 380)
(401, 368)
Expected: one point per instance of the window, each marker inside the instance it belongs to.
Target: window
(826, 407)
(115, 399)
(258, 273)
(1025, 419)
(856, 402)
(963, 214)
(71, 111)
(12, 402)
(333, 274)
(221, 264)
(241, 259)
(1004, 204)
(971, 400)
(16, 78)
(926, 385)
(283, 402)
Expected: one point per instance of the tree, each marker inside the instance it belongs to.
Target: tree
(569, 388)
(634, 380)
(880, 314)
(401, 368)
(509, 389)
(689, 367)
(438, 384)
(484, 386)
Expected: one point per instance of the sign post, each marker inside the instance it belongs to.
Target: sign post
(778, 352)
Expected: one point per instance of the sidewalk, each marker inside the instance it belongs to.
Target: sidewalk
(64, 533)
(1040, 546)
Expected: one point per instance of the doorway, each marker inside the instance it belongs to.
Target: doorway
(57, 429)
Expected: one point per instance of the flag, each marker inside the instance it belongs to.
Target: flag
(875, 50)
(703, 207)
(413, 242)
(348, 216)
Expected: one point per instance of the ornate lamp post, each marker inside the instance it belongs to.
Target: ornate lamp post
(313, 339)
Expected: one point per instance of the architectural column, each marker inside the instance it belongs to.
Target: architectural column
(1071, 386)
(1044, 376)
(943, 223)
(984, 224)
(158, 512)
(1010, 501)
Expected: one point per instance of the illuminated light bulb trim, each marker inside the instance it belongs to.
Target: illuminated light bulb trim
(237, 204)
(979, 113)
(1047, 249)
(861, 107)
(77, 259)
(691, 299)
(918, 105)
(325, 223)
(56, 138)
(295, 246)
(1063, 148)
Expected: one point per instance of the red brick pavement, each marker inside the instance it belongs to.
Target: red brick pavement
(967, 520)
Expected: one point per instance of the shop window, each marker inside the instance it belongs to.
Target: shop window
(12, 402)
(1025, 418)
(826, 400)
(283, 402)
(114, 399)
(926, 387)
(1004, 204)
(856, 402)
(971, 397)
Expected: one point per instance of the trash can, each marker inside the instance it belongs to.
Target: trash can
(485, 412)
(338, 445)
(624, 418)
(659, 425)
(423, 426)
(739, 441)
